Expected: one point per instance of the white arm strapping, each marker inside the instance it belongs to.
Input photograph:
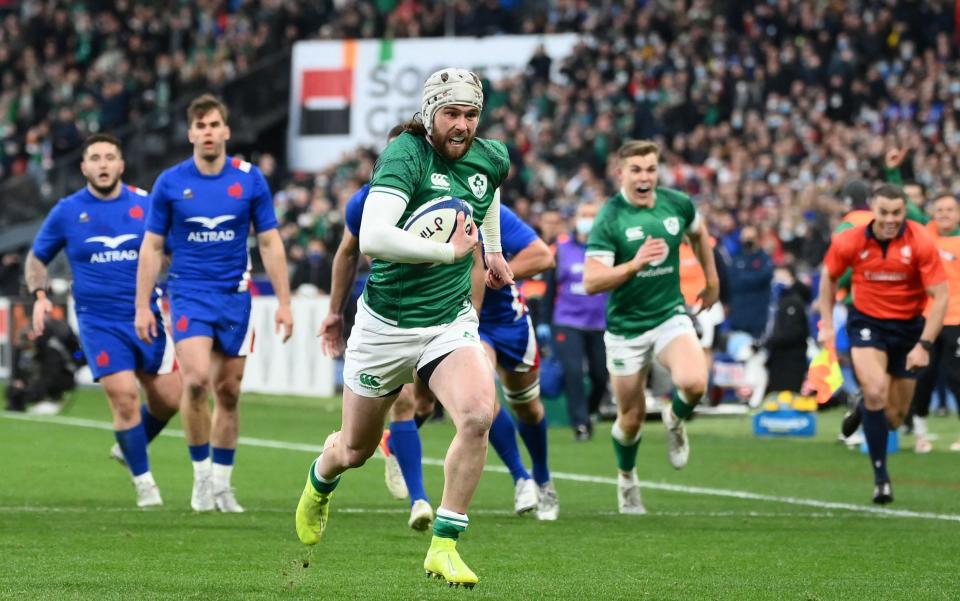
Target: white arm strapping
(380, 237)
(491, 226)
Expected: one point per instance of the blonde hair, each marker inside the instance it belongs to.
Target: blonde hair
(638, 148)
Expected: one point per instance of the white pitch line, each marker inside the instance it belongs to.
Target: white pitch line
(399, 511)
(691, 490)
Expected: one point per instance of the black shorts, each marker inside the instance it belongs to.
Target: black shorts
(896, 337)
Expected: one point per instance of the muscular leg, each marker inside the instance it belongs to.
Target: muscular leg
(225, 426)
(687, 364)
(425, 403)
(901, 393)
(522, 391)
(163, 394)
(503, 433)
(227, 373)
(193, 355)
(360, 432)
(404, 408)
(124, 397)
(631, 411)
(626, 435)
(870, 365)
(471, 408)
(528, 411)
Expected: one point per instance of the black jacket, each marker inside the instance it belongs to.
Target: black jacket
(787, 343)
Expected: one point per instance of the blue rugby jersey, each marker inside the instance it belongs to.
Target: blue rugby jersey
(506, 305)
(102, 241)
(206, 220)
(354, 211)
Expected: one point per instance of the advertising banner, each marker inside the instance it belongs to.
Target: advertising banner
(349, 93)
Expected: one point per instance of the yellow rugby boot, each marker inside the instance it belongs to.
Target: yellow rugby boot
(444, 562)
(313, 513)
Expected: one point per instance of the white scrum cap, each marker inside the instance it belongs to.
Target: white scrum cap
(449, 86)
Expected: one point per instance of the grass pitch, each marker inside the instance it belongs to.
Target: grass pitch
(747, 519)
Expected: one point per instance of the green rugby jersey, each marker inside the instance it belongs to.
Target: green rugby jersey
(653, 296)
(420, 295)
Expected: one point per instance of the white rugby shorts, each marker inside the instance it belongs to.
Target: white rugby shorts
(628, 356)
(380, 357)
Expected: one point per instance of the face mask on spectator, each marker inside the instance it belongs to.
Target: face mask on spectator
(584, 225)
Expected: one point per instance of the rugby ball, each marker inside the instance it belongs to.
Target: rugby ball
(435, 219)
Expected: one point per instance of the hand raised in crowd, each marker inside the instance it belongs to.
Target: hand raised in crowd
(894, 158)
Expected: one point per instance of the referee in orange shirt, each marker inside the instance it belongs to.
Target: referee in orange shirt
(946, 348)
(895, 267)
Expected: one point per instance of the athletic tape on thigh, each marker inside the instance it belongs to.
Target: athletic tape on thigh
(525, 395)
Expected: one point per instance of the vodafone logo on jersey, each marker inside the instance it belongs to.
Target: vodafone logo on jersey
(212, 232)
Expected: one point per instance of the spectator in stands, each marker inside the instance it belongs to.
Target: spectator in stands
(11, 268)
(314, 269)
(551, 226)
(801, 98)
(750, 273)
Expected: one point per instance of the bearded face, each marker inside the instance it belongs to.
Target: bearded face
(454, 128)
(102, 167)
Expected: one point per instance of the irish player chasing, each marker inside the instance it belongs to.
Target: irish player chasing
(633, 251)
(204, 207)
(895, 268)
(416, 311)
(100, 227)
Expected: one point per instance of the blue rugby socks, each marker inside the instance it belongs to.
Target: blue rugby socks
(406, 447)
(503, 439)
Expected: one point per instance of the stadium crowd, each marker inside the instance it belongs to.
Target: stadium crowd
(764, 109)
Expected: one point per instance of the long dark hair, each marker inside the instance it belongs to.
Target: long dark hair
(415, 126)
